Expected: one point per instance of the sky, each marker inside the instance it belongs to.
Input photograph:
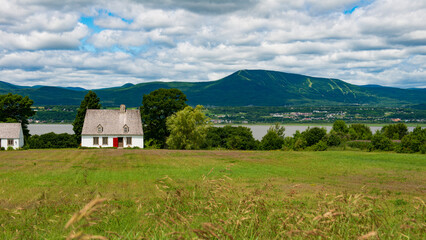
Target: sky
(98, 44)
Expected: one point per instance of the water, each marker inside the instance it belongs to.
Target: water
(258, 130)
(47, 128)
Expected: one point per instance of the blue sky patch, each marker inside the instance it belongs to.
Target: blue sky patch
(350, 11)
(89, 21)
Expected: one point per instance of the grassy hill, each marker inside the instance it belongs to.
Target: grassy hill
(242, 88)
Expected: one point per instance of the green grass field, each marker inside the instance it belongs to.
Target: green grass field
(164, 194)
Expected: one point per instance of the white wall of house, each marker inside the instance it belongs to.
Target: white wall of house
(3, 143)
(17, 143)
(21, 139)
(87, 141)
(138, 141)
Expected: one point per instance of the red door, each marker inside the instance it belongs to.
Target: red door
(115, 142)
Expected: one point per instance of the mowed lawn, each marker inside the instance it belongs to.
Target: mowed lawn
(166, 194)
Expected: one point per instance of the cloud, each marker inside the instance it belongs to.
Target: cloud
(111, 22)
(202, 6)
(35, 40)
(103, 43)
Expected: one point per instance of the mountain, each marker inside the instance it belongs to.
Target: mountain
(76, 88)
(242, 88)
(9, 86)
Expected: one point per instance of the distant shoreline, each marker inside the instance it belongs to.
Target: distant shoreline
(318, 124)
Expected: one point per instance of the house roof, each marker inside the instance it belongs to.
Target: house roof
(10, 130)
(112, 122)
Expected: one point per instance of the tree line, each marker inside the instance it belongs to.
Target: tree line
(168, 122)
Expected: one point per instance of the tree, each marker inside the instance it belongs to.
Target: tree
(297, 142)
(274, 138)
(15, 108)
(381, 142)
(90, 101)
(230, 137)
(333, 139)
(156, 107)
(339, 126)
(188, 128)
(320, 146)
(215, 138)
(395, 131)
(52, 140)
(359, 131)
(314, 135)
(414, 141)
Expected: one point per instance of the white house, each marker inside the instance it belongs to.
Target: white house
(11, 135)
(112, 128)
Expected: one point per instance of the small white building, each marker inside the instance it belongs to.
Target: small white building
(11, 135)
(112, 128)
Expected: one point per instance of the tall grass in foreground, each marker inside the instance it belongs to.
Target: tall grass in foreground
(215, 209)
(122, 194)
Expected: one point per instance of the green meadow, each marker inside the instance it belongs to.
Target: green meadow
(167, 194)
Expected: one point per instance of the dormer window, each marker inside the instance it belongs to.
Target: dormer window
(126, 128)
(100, 128)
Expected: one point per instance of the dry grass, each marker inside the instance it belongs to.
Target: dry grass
(216, 209)
(87, 213)
(129, 194)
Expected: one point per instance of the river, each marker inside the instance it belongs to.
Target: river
(47, 128)
(258, 130)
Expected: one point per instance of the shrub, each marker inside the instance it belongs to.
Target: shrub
(10, 148)
(339, 126)
(52, 140)
(271, 141)
(2, 149)
(300, 144)
(359, 144)
(360, 132)
(313, 135)
(320, 146)
(418, 131)
(216, 137)
(333, 139)
(423, 148)
(230, 137)
(381, 142)
(395, 131)
(274, 138)
(288, 143)
(413, 142)
(238, 142)
(152, 144)
(410, 144)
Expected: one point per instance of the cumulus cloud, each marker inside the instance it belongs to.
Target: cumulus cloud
(201, 6)
(359, 41)
(35, 40)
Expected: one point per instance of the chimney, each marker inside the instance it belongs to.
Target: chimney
(122, 108)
